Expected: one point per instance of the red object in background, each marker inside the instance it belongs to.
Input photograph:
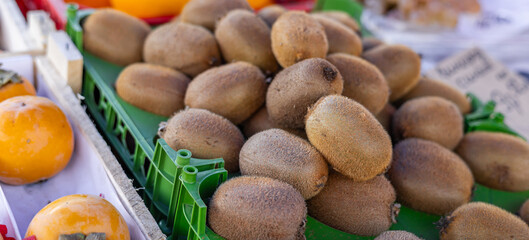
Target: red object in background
(3, 232)
(30, 238)
(57, 9)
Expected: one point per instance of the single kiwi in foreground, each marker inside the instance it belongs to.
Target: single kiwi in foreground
(260, 121)
(524, 211)
(479, 220)
(360, 208)
(188, 48)
(297, 87)
(206, 134)
(431, 87)
(278, 154)
(400, 65)
(341, 17)
(431, 118)
(234, 90)
(297, 36)
(242, 36)
(156, 89)
(429, 177)
(362, 81)
(271, 13)
(497, 160)
(341, 39)
(121, 47)
(397, 235)
(206, 13)
(349, 137)
(252, 207)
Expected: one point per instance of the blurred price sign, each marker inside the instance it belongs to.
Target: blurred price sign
(475, 71)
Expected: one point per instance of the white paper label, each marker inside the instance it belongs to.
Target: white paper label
(476, 72)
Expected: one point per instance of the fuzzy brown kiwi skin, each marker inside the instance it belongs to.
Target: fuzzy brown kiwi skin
(397, 235)
(153, 88)
(251, 207)
(431, 87)
(349, 137)
(431, 118)
(206, 13)
(341, 39)
(206, 134)
(415, 161)
(297, 36)
(278, 154)
(260, 121)
(337, 205)
(524, 212)
(385, 117)
(400, 65)
(341, 17)
(195, 51)
(478, 220)
(497, 160)
(234, 90)
(271, 13)
(242, 36)
(297, 87)
(363, 82)
(369, 43)
(101, 39)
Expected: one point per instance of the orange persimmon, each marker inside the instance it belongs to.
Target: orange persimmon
(12, 85)
(149, 8)
(78, 213)
(36, 140)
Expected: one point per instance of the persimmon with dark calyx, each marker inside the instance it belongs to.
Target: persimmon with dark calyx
(36, 140)
(12, 85)
(79, 214)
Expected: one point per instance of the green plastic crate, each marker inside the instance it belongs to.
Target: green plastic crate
(177, 185)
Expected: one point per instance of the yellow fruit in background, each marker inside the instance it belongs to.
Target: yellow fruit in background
(78, 214)
(258, 4)
(149, 8)
(36, 140)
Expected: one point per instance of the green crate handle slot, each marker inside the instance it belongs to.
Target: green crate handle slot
(177, 185)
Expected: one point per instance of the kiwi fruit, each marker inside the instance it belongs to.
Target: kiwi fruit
(340, 38)
(242, 36)
(479, 220)
(278, 154)
(252, 207)
(497, 160)
(524, 212)
(349, 137)
(430, 87)
(431, 118)
(341, 17)
(297, 36)
(400, 65)
(297, 87)
(385, 117)
(234, 90)
(362, 81)
(121, 47)
(397, 235)
(359, 208)
(429, 177)
(206, 13)
(270, 13)
(156, 89)
(260, 122)
(184, 47)
(369, 43)
(206, 134)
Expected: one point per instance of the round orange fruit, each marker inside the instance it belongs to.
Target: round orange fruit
(36, 140)
(12, 85)
(78, 213)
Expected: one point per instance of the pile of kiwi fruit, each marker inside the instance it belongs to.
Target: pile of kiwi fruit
(317, 119)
